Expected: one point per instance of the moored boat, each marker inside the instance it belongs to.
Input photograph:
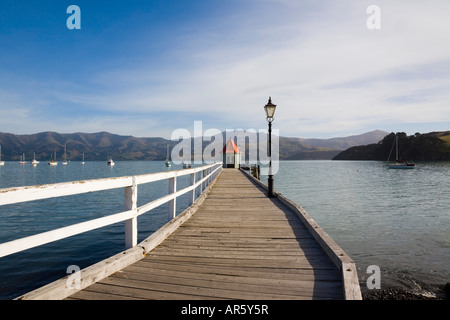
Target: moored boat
(65, 156)
(53, 162)
(34, 162)
(2, 163)
(401, 165)
(22, 159)
(398, 164)
(110, 162)
(167, 162)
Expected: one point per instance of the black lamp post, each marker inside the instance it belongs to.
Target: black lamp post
(270, 111)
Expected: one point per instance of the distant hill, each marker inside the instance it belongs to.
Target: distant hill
(324, 149)
(433, 146)
(100, 145)
(347, 142)
(96, 146)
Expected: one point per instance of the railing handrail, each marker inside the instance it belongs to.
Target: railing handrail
(129, 183)
(62, 189)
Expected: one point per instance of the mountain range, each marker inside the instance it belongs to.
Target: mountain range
(101, 145)
(324, 149)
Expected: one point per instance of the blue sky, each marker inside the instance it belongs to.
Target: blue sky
(146, 68)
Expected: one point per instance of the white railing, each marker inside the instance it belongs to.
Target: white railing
(130, 185)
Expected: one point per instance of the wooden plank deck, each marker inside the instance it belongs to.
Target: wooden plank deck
(238, 245)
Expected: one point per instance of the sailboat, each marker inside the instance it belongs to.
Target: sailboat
(65, 156)
(167, 162)
(110, 162)
(53, 162)
(34, 162)
(2, 163)
(82, 162)
(22, 159)
(399, 164)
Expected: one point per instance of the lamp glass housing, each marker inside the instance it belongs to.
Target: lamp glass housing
(270, 110)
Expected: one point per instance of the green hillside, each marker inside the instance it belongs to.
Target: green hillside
(433, 146)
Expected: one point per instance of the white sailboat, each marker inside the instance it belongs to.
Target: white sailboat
(110, 162)
(398, 164)
(2, 163)
(65, 156)
(167, 162)
(34, 162)
(82, 161)
(53, 162)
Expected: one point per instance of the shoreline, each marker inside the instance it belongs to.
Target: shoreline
(395, 293)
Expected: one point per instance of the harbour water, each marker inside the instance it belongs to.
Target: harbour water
(397, 220)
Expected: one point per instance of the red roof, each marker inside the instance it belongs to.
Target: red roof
(231, 147)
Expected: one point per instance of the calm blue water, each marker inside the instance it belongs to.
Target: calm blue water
(396, 219)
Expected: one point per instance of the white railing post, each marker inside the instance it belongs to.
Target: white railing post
(204, 181)
(173, 202)
(200, 187)
(131, 224)
(192, 193)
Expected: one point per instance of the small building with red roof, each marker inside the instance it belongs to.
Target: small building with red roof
(231, 155)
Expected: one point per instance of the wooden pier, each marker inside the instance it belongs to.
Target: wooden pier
(233, 243)
(238, 245)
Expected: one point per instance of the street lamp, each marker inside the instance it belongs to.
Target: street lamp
(270, 111)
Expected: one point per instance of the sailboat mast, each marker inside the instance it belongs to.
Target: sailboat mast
(396, 147)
